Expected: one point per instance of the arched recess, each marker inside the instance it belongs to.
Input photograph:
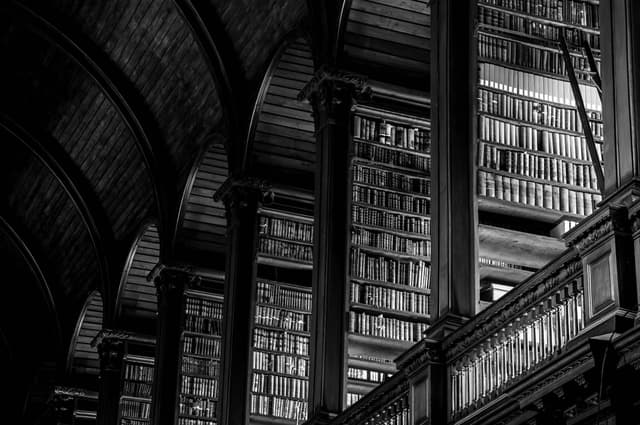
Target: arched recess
(387, 40)
(136, 304)
(202, 225)
(83, 360)
(281, 141)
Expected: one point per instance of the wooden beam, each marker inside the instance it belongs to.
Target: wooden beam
(79, 190)
(18, 241)
(125, 98)
(224, 66)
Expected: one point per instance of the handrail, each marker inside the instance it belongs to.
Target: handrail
(515, 335)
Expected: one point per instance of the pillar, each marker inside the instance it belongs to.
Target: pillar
(111, 353)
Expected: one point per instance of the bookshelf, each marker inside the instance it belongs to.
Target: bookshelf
(390, 244)
(534, 170)
(137, 384)
(281, 331)
(198, 391)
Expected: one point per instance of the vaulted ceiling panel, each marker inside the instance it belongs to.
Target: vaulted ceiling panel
(154, 48)
(284, 134)
(384, 38)
(257, 28)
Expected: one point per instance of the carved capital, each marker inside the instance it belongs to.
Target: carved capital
(615, 220)
(111, 352)
(241, 192)
(332, 88)
(419, 357)
(171, 281)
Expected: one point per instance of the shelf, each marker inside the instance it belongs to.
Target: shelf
(534, 152)
(136, 398)
(257, 419)
(196, 396)
(300, 399)
(500, 206)
(202, 335)
(539, 180)
(201, 356)
(275, 328)
(390, 210)
(374, 345)
(269, 351)
(282, 239)
(361, 387)
(199, 375)
(548, 21)
(403, 233)
(270, 260)
(199, 418)
(413, 172)
(397, 286)
(284, 375)
(134, 418)
(393, 254)
(400, 119)
(300, 288)
(398, 314)
(536, 71)
(285, 215)
(371, 365)
(392, 147)
(543, 127)
(392, 190)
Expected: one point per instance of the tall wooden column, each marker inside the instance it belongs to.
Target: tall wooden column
(111, 353)
(454, 289)
(171, 283)
(242, 198)
(331, 94)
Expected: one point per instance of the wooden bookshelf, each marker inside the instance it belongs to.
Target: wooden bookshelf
(198, 392)
(390, 244)
(137, 385)
(281, 333)
(534, 170)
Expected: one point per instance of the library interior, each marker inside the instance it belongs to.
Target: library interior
(321, 212)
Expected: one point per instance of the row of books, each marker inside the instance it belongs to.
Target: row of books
(391, 200)
(138, 372)
(209, 347)
(284, 319)
(415, 274)
(203, 307)
(204, 325)
(511, 52)
(196, 406)
(534, 28)
(135, 409)
(265, 405)
(281, 363)
(280, 341)
(277, 248)
(538, 87)
(391, 134)
(286, 228)
(367, 375)
(203, 387)
(575, 12)
(384, 155)
(193, 421)
(283, 296)
(283, 386)
(137, 388)
(390, 220)
(390, 242)
(131, 421)
(388, 298)
(385, 327)
(353, 398)
(526, 192)
(527, 164)
(535, 112)
(494, 262)
(522, 136)
(392, 180)
(200, 366)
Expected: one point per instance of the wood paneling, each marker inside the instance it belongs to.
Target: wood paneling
(203, 224)
(284, 134)
(84, 358)
(392, 35)
(137, 297)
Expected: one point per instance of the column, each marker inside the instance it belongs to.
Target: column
(111, 352)
(331, 94)
(171, 283)
(242, 197)
(454, 289)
